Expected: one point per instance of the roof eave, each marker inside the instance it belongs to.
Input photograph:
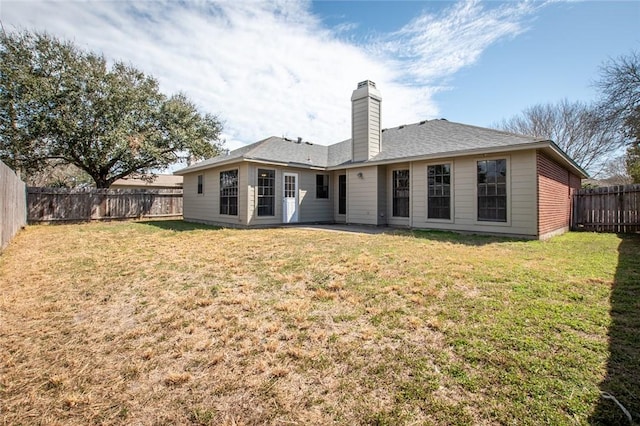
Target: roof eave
(201, 167)
(559, 154)
(285, 164)
(446, 154)
(193, 169)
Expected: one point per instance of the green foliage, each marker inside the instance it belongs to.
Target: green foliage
(58, 102)
(632, 160)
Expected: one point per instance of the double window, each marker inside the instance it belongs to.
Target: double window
(492, 190)
(401, 193)
(229, 192)
(439, 191)
(266, 192)
(322, 186)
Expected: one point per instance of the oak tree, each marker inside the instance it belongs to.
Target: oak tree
(64, 105)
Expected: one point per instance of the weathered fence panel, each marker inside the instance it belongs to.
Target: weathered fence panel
(13, 207)
(60, 204)
(609, 209)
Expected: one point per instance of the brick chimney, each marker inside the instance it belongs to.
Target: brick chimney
(366, 138)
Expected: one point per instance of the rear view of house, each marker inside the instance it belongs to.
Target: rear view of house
(434, 174)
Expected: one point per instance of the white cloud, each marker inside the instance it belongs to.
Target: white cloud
(437, 46)
(272, 68)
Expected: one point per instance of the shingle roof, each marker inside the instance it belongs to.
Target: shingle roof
(288, 151)
(272, 149)
(339, 153)
(441, 137)
(426, 138)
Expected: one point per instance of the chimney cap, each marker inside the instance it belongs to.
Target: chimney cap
(366, 83)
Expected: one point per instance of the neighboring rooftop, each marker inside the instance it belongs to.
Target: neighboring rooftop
(160, 181)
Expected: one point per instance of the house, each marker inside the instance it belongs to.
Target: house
(434, 174)
(158, 182)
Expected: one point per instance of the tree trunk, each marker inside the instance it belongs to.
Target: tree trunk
(102, 182)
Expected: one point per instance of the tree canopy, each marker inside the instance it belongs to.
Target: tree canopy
(576, 127)
(61, 104)
(594, 134)
(620, 85)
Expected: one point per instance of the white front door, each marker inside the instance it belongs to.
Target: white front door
(290, 198)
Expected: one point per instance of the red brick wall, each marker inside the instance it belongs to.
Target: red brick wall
(556, 186)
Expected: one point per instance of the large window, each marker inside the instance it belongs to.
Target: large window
(492, 190)
(200, 184)
(266, 185)
(342, 194)
(229, 192)
(401, 193)
(322, 186)
(439, 191)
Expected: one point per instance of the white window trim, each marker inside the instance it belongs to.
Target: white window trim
(390, 189)
(237, 169)
(452, 195)
(275, 185)
(475, 191)
(328, 197)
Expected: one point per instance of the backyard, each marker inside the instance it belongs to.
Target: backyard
(173, 323)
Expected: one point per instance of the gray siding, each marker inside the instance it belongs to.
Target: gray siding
(362, 199)
(365, 128)
(252, 194)
(369, 196)
(205, 207)
(313, 209)
(521, 198)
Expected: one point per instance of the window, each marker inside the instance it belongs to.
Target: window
(492, 190)
(200, 184)
(439, 191)
(266, 184)
(322, 186)
(401, 193)
(342, 194)
(290, 186)
(229, 192)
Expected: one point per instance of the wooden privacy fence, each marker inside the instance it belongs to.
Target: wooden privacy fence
(13, 208)
(59, 204)
(608, 209)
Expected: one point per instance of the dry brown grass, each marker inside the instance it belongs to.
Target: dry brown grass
(129, 323)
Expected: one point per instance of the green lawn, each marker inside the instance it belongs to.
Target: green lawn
(173, 323)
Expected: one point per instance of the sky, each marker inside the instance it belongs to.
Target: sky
(288, 68)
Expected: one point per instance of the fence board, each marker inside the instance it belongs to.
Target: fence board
(13, 208)
(609, 209)
(61, 204)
